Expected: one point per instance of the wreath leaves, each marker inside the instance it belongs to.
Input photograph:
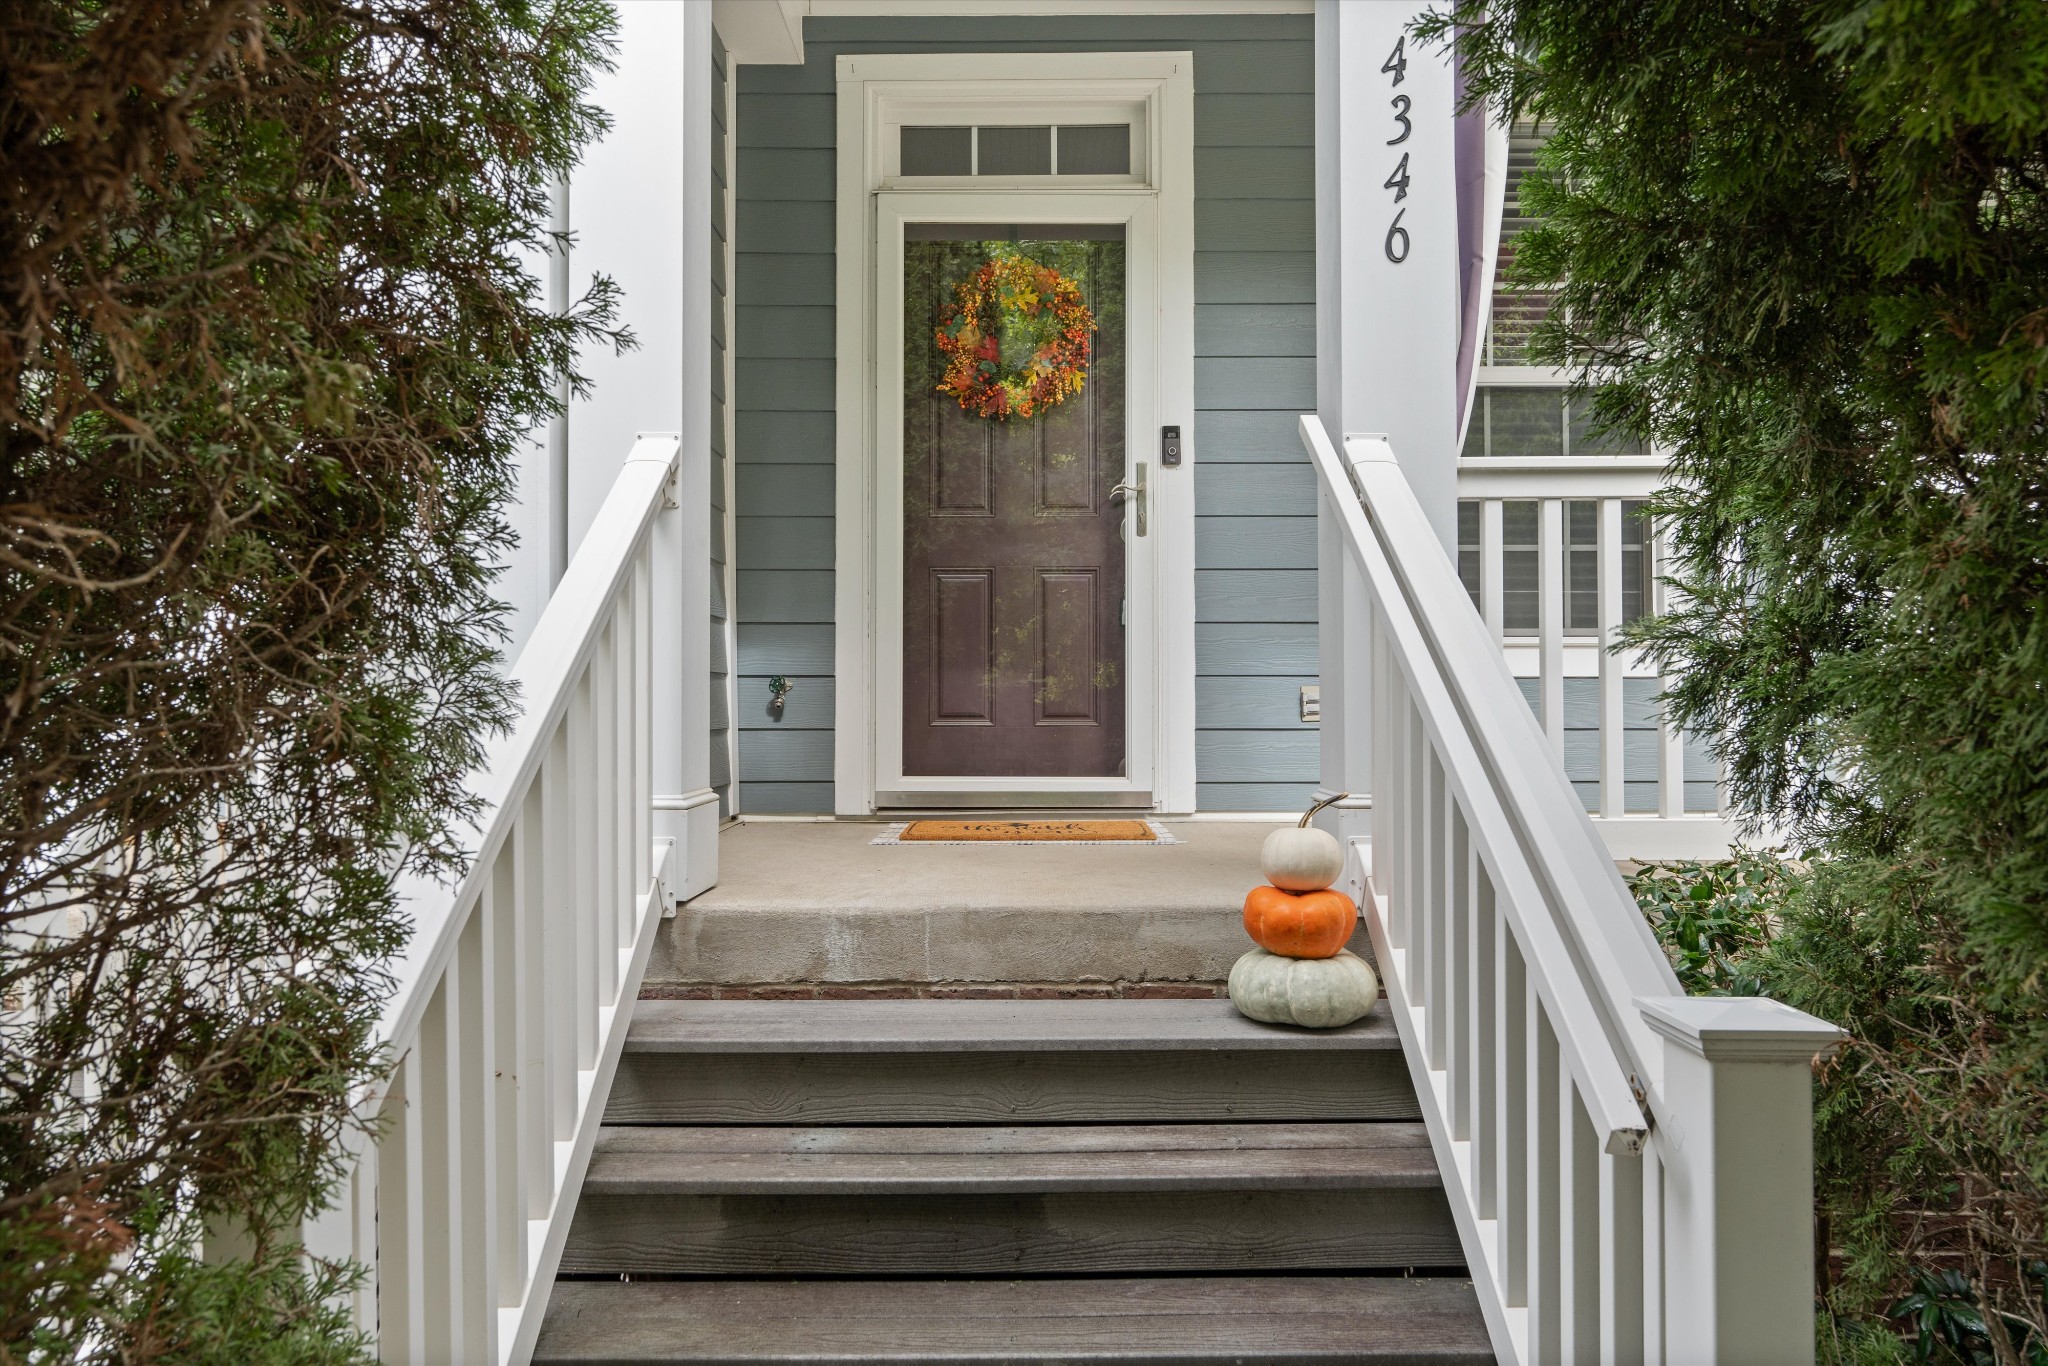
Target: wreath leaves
(1016, 339)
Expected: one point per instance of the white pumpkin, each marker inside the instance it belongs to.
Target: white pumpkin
(1302, 859)
(1320, 993)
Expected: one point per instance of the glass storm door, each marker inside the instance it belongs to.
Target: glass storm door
(1014, 657)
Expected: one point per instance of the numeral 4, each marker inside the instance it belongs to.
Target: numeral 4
(1398, 181)
(1397, 60)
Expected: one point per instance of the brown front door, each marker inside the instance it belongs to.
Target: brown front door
(1013, 554)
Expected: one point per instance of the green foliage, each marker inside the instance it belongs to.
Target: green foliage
(1922, 1136)
(1709, 915)
(267, 358)
(1804, 246)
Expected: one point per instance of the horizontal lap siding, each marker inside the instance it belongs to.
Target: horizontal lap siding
(1255, 498)
(1639, 759)
(1255, 370)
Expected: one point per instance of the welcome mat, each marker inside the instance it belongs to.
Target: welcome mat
(1026, 832)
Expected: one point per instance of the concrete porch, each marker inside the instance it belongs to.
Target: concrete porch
(815, 908)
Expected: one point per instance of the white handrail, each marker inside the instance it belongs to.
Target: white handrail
(1630, 1170)
(514, 992)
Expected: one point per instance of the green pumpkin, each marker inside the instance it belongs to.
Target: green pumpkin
(1320, 993)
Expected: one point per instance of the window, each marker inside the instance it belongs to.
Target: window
(938, 151)
(1584, 436)
(1519, 599)
(1521, 421)
(1636, 565)
(1581, 567)
(1095, 149)
(1015, 149)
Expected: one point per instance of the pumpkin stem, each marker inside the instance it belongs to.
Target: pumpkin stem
(1310, 814)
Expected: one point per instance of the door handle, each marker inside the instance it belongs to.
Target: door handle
(1135, 489)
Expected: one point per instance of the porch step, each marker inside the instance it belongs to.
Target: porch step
(802, 903)
(1205, 1321)
(868, 1181)
(1011, 1201)
(998, 1062)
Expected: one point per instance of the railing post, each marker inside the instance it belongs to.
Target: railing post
(1735, 1122)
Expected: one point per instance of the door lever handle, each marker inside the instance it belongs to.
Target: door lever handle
(1136, 490)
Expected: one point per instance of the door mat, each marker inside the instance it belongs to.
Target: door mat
(1026, 832)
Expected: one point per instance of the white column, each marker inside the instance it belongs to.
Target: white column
(1735, 1124)
(641, 213)
(1386, 320)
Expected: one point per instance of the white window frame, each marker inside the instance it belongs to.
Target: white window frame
(877, 95)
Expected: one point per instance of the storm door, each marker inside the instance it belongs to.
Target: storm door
(1013, 501)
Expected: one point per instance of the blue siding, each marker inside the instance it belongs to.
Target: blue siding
(1255, 363)
(1639, 713)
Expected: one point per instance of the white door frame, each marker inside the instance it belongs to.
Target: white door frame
(876, 95)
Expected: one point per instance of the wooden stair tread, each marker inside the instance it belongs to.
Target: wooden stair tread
(1036, 1159)
(1179, 1320)
(945, 1026)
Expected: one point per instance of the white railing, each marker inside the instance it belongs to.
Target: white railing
(1554, 648)
(1630, 1169)
(515, 992)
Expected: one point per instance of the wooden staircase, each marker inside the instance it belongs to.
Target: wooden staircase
(927, 1180)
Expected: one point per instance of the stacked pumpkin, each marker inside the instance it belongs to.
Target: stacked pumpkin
(1301, 973)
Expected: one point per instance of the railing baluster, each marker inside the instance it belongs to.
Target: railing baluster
(559, 962)
(629, 800)
(1416, 865)
(1458, 974)
(1485, 929)
(1512, 1049)
(602, 796)
(1653, 1256)
(1550, 619)
(1579, 1227)
(1613, 770)
(401, 1221)
(511, 1084)
(1621, 1259)
(1386, 769)
(1492, 567)
(643, 720)
(582, 726)
(1546, 1191)
(537, 1100)
(1670, 743)
(440, 1114)
(475, 1147)
(1435, 910)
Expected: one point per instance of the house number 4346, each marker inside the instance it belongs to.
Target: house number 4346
(1396, 66)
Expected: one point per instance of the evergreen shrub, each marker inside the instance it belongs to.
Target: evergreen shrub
(267, 356)
(1803, 246)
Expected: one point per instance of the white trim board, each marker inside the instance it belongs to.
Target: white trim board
(875, 93)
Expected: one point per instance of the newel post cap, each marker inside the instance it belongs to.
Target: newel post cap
(1739, 1028)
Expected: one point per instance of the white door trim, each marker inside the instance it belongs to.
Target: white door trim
(875, 92)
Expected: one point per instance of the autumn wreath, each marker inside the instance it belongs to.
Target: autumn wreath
(1015, 339)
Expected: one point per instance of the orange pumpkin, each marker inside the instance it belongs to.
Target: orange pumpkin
(1299, 925)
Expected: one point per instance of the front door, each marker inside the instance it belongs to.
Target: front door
(1013, 438)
